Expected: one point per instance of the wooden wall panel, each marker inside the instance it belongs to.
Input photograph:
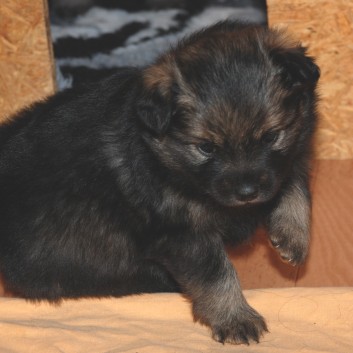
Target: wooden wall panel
(259, 266)
(331, 255)
(331, 252)
(26, 62)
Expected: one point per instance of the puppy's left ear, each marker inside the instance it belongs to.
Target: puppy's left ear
(157, 101)
(295, 67)
(154, 111)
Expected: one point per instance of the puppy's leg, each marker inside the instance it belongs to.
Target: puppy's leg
(202, 269)
(289, 223)
(149, 277)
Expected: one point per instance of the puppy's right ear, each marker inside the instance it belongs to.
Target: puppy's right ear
(157, 101)
(296, 68)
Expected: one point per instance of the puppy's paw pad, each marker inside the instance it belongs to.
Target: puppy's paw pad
(291, 251)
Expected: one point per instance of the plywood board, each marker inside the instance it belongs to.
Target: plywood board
(26, 62)
(326, 27)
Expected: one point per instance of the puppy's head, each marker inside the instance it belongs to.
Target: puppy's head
(229, 111)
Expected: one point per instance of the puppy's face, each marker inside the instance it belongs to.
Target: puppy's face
(228, 111)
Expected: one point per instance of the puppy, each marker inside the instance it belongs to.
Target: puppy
(134, 185)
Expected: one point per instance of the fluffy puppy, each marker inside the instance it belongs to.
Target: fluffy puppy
(135, 184)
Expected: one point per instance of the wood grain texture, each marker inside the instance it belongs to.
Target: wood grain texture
(331, 255)
(26, 62)
(326, 27)
(259, 266)
(331, 251)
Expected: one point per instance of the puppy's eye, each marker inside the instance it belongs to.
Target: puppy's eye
(207, 148)
(270, 137)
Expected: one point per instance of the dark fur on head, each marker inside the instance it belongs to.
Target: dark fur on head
(133, 185)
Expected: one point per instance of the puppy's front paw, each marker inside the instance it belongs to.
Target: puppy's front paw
(292, 248)
(244, 326)
(289, 226)
(290, 237)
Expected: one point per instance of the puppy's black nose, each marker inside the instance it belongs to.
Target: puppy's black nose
(247, 192)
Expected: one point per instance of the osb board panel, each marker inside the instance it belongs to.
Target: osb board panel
(327, 28)
(26, 64)
(331, 252)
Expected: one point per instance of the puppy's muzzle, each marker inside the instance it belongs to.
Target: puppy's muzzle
(236, 189)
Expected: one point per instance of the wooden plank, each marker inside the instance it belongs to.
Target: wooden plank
(26, 61)
(331, 254)
(259, 266)
(331, 250)
(327, 28)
